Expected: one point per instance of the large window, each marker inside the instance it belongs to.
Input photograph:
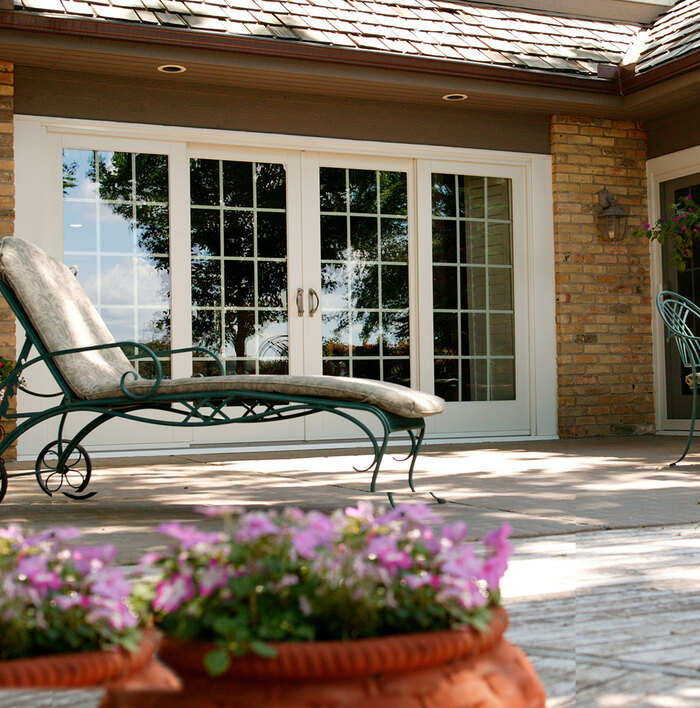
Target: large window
(116, 233)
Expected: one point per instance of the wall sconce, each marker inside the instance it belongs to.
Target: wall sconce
(612, 220)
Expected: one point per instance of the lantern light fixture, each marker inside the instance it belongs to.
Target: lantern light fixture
(612, 219)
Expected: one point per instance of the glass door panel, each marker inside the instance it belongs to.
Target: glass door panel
(478, 355)
(116, 232)
(239, 265)
(364, 274)
(474, 353)
(686, 283)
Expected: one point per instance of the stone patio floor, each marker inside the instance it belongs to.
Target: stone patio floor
(604, 587)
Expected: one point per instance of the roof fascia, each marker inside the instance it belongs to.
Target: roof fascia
(98, 29)
(664, 72)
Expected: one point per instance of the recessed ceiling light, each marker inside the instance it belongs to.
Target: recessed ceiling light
(76, 226)
(172, 68)
(455, 97)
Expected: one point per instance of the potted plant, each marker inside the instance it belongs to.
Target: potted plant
(681, 227)
(66, 619)
(362, 607)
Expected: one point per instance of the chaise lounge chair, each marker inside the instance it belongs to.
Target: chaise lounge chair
(65, 333)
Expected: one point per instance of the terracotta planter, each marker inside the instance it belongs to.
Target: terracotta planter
(115, 671)
(427, 670)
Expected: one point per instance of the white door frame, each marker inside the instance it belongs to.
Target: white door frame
(662, 169)
(38, 138)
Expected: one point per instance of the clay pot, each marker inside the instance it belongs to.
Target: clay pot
(446, 669)
(116, 671)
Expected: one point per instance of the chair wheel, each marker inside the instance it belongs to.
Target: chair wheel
(74, 473)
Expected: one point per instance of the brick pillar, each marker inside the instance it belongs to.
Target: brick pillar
(7, 211)
(604, 349)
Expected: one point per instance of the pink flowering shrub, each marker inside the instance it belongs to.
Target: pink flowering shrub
(291, 575)
(681, 227)
(57, 596)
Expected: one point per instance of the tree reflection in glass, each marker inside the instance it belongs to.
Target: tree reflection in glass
(239, 264)
(364, 274)
(116, 230)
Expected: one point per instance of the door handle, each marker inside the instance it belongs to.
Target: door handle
(313, 308)
(300, 302)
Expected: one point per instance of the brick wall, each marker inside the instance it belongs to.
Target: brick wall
(604, 348)
(7, 208)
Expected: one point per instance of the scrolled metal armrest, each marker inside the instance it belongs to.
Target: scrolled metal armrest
(96, 347)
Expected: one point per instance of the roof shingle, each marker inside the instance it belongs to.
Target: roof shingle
(442, 29)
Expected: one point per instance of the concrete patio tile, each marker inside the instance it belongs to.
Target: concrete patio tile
(603, 590)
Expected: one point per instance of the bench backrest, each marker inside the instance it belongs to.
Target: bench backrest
(62, 315)
(675, 311)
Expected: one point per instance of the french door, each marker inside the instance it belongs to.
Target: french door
(393, 268)
(686, 283)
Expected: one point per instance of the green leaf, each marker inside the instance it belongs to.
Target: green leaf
(224, 626)
(263, 649)
(217, 662)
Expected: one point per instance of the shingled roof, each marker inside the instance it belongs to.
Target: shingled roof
(674, 34)
(436, 29)
(431, 28)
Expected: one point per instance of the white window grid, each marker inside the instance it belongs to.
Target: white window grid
(487, 311)
(348, 263)
(223, 309)
(136, 306)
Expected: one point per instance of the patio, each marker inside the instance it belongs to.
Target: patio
(604, 587)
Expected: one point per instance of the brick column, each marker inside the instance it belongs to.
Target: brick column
(7, 211)
(604, 349)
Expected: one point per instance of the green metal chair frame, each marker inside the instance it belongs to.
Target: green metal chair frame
(675, 311)
(65, 465)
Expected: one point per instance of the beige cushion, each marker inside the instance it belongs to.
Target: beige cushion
(388, 396)
(63, 316)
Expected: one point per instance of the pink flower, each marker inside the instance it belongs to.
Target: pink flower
(36, 570)
(213, 577)
(363, 510)
(498, 540)
(85, 557)
(455, 532)
(306, 542)
(60, 533)
(171, 593)
(386, 549)
(462, 562)
(111, 583)
(189, 536)
(218, 510)
(255, 526)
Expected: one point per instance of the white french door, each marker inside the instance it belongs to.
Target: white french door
(384, 265)
(474, 304)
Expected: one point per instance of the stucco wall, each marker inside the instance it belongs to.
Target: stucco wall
(604, 346)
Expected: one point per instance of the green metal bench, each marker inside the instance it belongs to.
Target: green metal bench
(65, 333)
(676, 311)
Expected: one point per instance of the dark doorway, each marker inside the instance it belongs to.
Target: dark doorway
(686, 283)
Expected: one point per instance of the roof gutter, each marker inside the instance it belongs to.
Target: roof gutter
(101, 29)
(682, 65)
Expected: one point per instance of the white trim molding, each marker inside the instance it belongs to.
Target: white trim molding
(659, 170)
(39, 141)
